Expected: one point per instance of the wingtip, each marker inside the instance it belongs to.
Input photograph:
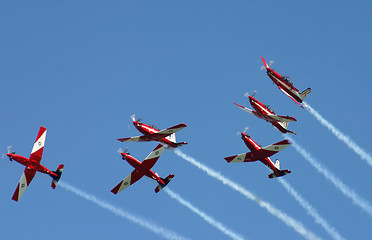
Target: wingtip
(229, 159)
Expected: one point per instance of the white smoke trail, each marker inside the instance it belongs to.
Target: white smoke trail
(342, 137)
(203, 215)
(359, 201)
(296, 225)
(310, 210)
(165, 233)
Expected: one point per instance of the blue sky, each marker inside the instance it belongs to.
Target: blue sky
(82, 68)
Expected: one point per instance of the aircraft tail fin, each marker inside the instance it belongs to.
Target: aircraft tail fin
(285, 126)
(59, 173)
(277, 164)
(305, 93)
(166, 181)
(172, 138)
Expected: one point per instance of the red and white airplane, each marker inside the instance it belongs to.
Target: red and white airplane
(166, 136)
(261, 154)
(33, 165)
(286, 86)
(143, 169)
(266, 113)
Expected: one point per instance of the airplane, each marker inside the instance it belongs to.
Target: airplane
(286, 86)
(33, 165)
(143, 169)
(261, 154)
(166, 136)
(266, 113)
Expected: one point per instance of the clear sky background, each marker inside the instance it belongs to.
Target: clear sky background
(81, 68)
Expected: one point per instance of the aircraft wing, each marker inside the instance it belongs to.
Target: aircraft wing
(244, 108)
(273, 148)
(25, 180)
(133, 139)
(286, 93)
(259, 154)
(37, 150)
(244, 157)
(168, 131)
(151, 159)
(282, 118)
(129, 180)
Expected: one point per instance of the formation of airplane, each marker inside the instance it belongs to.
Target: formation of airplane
(33, 165)
(150, 133)
(261, 154)
(143, 169)
(266, 113)
(167, 138)
(286, 86)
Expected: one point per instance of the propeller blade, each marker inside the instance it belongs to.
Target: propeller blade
(245, 129)
(9, 148)
(133, 117)
(120, 150)
(271, 63)
(254, 93)
(247, 94)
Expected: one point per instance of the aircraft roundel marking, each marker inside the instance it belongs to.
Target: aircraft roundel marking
(39, 143)
(239, 159)
(276, 147)
(126, 183)
(22, 185)
(157, 153)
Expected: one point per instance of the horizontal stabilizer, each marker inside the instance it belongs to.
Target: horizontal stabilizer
(166, 181)
(285, 125)
(59, 173)
(179, 144)
(283, 118)
(281, 173)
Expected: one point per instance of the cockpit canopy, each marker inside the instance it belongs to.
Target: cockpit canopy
(287, 80)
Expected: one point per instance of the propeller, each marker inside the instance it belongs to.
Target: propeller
(9, 150)
(247, 94)
(270, 63)
(133, 117)
(245, 129)
(120, 150)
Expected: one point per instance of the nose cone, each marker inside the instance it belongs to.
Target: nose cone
(252, 99)
(9, 154)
